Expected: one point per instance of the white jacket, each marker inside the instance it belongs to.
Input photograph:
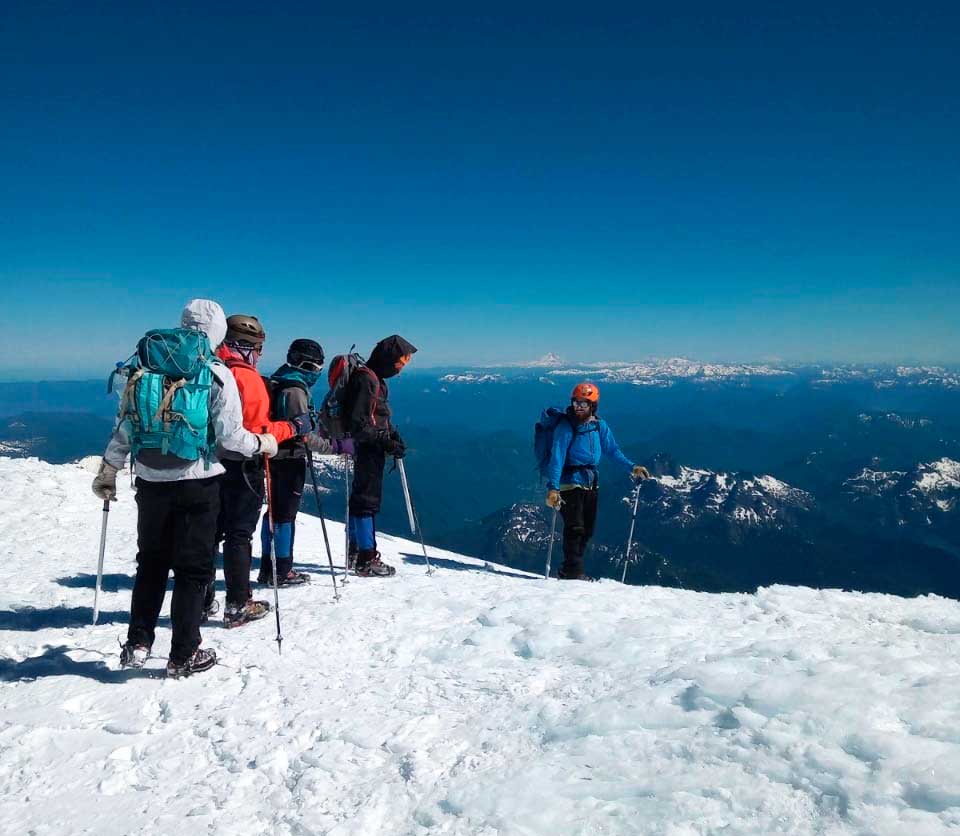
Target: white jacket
(226, 411)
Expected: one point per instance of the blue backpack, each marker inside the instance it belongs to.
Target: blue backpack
(543, 437)
(166, 401)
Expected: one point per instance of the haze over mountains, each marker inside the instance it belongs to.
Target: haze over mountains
(837, 475)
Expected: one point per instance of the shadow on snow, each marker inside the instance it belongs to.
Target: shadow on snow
(31, 619)
(459, 566)
(55, 661)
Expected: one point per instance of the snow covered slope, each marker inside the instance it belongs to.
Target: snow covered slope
(469, 702)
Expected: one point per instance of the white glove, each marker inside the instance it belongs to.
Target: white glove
(105, 482)
(268, 445)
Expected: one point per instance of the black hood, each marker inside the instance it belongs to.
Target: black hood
(386, 353)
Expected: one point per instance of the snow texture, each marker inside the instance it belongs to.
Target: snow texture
(470, 702)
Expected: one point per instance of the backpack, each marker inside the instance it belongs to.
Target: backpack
(276, 389)
(165, 404)
(335, 411)
(543, 437)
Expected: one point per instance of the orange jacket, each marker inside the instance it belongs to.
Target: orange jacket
(256, 403)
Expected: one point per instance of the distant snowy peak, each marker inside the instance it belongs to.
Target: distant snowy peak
(869, 481)
(893, 418)
(19, 449)
(663, 372)
(927, 489)
(471, 377)
(884, 377)
(686, 495)
(524, 523)
(939, 480)
(548, 361)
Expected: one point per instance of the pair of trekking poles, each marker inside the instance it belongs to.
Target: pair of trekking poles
(626, 559)
(411, 513)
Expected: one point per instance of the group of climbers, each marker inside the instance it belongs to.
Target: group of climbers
(203, 429)
(199, 423)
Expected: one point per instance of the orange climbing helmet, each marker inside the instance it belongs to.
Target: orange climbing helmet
(585, 392)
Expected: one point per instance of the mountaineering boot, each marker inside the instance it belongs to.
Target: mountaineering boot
(237, 616)
(369, 565)
(210, 608)
(202, 660)
(287, 575)
(293, 577)
(134, 655)
(571, 577)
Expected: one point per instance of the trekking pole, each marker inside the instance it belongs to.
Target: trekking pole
(103, 546)
(553, 531)
(323, 524)
(633, 520)
(346, 518)
(273, 552)
(412, 514)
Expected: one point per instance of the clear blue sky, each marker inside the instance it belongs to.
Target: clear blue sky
(727, 182)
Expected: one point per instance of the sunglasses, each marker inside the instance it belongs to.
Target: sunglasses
(581, 404)
(309, 366)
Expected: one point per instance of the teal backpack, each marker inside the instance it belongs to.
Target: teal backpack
(166, 401)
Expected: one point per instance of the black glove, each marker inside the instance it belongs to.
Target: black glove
(394, 445)
(303, 424)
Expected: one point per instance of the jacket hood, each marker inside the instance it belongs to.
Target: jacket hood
(207, 316)
(386, 352)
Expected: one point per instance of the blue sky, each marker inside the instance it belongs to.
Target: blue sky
(606, 183)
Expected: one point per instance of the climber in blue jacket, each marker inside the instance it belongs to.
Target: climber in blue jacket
(572, 484)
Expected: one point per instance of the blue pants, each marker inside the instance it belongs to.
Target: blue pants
(363, 532)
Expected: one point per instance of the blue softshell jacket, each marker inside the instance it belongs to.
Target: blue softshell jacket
(578, 466)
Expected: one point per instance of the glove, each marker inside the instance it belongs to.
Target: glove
(316, 443)
(553, 500)
(343, 445)
(303, 424)
(639, 472)
(105, 482)
(268, 444)
(394, 445)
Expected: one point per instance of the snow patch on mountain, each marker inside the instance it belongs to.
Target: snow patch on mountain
(893, 418)
(874, 481)
(468, 702)
(888, 377)
(675, 368)
(471, 377)
(18, 448)
(939, 476)
(685, 495)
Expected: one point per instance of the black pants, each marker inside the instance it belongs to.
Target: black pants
(367, 491)
(176, 526)
(241, 500)
(287, 478)
(579, 511)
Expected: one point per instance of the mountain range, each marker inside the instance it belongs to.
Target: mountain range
(761, 477)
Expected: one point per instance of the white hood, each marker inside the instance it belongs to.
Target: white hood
(207, 316)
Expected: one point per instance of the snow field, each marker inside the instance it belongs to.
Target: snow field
(469, 702)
